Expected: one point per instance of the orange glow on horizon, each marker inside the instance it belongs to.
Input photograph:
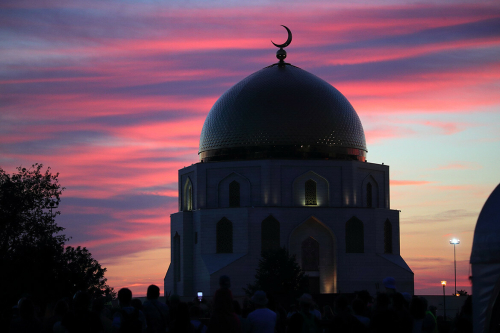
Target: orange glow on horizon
(117, 107)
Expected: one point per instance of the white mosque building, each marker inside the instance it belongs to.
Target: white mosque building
(283, 164)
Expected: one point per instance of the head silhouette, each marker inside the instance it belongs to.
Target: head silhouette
(125, 296)
(153, 292)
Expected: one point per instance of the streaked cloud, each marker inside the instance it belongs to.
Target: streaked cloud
(408, 182)
(461, 166)
(445, 216)
(113, 95)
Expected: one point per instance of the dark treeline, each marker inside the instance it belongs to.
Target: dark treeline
(37, 266)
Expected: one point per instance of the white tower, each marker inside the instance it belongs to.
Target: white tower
(283, 164)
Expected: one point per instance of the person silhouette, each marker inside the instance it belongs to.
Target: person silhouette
(156, 312)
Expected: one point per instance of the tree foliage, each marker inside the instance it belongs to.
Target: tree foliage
(84, 272)
(32, 250)
(27, 201)
(279, 273)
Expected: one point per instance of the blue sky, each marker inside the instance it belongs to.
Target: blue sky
(113, 96)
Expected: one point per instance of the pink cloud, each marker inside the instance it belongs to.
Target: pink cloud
(383, 132)
(438, 92)
(82, 106)
(461, 166)
(98, 78)
(447, 128)
(408, 182)
(456, 188)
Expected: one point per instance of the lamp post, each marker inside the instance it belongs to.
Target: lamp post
(455, 241)
(444, 299)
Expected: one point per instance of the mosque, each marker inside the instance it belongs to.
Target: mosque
(283, 164)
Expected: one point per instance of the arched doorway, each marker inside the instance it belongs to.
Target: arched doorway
(313, 244)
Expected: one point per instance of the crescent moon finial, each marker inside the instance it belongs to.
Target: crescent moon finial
(288, 41)
(281, 54)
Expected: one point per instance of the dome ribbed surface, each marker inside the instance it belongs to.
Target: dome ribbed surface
(486, 243)
(282, 106)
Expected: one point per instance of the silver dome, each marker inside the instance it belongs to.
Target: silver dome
(282, 111)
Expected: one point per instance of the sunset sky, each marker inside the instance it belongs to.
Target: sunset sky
(113, 96)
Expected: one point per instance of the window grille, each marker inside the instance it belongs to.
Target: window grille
(234, 194)
(354, 236)
(310, 189)
(224, 237)
(387, 236)
(369, 196)
(270, 234)
(310, 254)
(177, 257)
(188, 196)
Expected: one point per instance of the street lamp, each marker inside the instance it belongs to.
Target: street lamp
(444, 299)
(455, 241)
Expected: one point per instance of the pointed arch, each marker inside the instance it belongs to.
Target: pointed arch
(270, 234)
(234, 190)
(354, 236)
(310, 254)
(387, 236)
(234, 194)
(310, 192)
(369, 196)
(224, 236)
(324, 279)
(188, 195)
(370, 192)
(177, 257)
(311, 189)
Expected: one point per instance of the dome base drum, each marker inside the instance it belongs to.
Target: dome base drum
(284, 153)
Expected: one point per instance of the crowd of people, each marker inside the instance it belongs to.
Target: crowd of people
(390, 311)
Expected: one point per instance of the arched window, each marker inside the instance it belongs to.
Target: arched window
(369, 195)
(234, 194)
(354, 236)
(188, 196)
(387, 236)
(224, 235)
(310, 189)
(270, 234)
(177, 257)
(310, 254)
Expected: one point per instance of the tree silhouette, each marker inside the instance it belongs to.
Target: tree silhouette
(27, 201)
(279, 274)
(32, 253)
(85, 273)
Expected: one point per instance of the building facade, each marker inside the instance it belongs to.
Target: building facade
(283, 164)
